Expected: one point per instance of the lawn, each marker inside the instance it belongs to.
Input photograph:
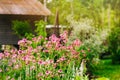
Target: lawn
(108, 70)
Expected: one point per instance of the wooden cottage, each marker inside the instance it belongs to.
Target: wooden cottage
(30, 10)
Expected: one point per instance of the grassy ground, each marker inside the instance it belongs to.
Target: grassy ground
(108, 70)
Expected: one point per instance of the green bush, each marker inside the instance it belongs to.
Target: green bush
(21, 28)
(40, 28)
(114, 44)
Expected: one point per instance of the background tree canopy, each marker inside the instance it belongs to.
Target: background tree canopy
(102, 12)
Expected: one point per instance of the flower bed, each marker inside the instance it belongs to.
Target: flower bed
(42, 59)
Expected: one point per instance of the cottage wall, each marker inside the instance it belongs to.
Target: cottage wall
(7, 36)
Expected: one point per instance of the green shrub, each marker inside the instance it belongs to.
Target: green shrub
(21, 28)
(114, 44)
(40, 28)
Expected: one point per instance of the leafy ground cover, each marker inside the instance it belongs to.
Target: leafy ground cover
(108, 70)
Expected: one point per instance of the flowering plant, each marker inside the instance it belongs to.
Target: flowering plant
(54, 59)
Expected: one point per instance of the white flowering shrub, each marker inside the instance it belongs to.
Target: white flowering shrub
(93, 40)
(90, 36)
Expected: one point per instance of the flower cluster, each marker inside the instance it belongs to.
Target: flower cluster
(51, 59)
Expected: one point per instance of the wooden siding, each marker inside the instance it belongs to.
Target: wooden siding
(7, 36)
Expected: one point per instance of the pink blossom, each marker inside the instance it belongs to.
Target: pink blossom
(22, 42)
(70, 47)
(26, 58)
(61, 59)
(49, 44)
(7, 54)
(48, 72)
(60, 71)
(41, 62)
(63, 36)
(32, 68)
(54, 39)
(77, 42)
(40, 74)
(20, 51)
(14, 60)
(13, 51)
(16, 66)
(29, 50)
(12, 79)
(40, 37)
(1, 55)
(49, 61)
(0, 70)
(46, 51)
(83, 51)
(14, 55)
(74, 52)
(10, 64)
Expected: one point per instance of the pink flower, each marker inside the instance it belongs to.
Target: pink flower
(22, 42)
(26, 58)
(20, 51)
(10, 64)
(46, 51)
(16, 66)
(48, 44)
(14, 60)
(63, 36)
(74, 52)
(40, 74)
(54, 39)
(60, 71)
(12, 79)
(13, 51)
(1, 55)
(70, 47)
(61, 59)
(14, 55)
(7, 54)
(41, 62)
(0, 70)
(32, 68)
(77, 42)
(83, 51)
(48, 72)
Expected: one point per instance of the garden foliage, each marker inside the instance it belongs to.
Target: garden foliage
(21, 28)
(114, 44)
(52, 60)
